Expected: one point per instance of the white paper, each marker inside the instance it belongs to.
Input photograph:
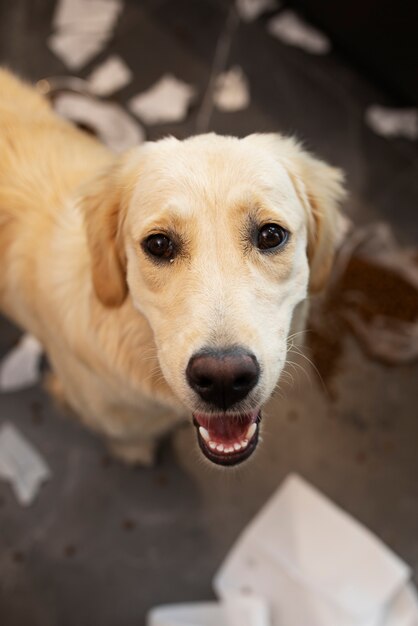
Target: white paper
(294, 31)
(21, 464)
(313, 563)
(112, 75)
(235, 611)
(393, 122)
(232, 91)
(166, 101)
(76, 49)
(20, 367)
(249, 10)
(193, 614)
(116, 128)
(82, 29)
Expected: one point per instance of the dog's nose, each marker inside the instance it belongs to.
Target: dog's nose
(223, 377)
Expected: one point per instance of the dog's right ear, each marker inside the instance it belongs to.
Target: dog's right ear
(104, 206)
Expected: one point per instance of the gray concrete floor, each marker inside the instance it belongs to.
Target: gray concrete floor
(104, 543)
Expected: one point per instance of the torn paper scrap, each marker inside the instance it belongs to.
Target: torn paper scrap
(20, 367)
(75, 49)
(193, 614)
(393, 122)
(237, 610)
(110, 76)
(232, 92)
(294, 31)
(312, 563)
(249, 10)
(21, 464)
(166, 101)
(82, 29)
(115, 127)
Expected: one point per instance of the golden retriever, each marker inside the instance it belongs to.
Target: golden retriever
(162, 282)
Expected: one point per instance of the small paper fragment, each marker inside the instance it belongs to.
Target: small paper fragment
(232, 91)
(249, 10)
(115, 127)
(82, 29)
(166, 101)
(389, 122)
(110, 76)
(294, 31)
(21, 464)
(20, 367)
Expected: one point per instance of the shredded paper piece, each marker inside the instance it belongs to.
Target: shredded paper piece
(249, 10)
(166, 101)
(294, 31)
(82, 29)
(110, 76)
(237, 610)
(20, 368)
(232, 91)
(116, 128)
(21, 465)
(393, 122)
(304, 562)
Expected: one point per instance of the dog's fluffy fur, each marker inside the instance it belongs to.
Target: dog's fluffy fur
(118, 327)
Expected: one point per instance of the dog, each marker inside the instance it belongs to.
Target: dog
(163, 283)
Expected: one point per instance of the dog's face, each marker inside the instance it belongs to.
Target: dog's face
(216, 240)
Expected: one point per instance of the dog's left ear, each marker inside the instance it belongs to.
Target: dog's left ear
(103, 204)
(321, 190)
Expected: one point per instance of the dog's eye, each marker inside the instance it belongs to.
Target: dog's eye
(160, 246)
(271, 236)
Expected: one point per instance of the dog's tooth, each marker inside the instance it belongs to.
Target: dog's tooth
(244, 443)
(220, 447)
(251, 432)
(229, 449)
(212, 445)
(204, 433)
(237, 446)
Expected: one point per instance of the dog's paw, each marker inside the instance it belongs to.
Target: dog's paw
(134, 453)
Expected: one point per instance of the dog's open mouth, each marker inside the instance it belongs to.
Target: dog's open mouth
(227, 439)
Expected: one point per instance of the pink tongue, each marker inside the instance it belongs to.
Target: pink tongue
(226, 428)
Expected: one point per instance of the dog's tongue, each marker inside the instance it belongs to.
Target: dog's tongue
(223, 428)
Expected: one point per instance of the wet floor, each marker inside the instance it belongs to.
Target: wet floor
(103, 543)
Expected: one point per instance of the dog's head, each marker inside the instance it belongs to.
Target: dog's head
(215, 240)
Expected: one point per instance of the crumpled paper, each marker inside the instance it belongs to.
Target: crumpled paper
(82, 29)
(166, 101)
(232, 92)
(20, 367)
(294, 31)
(390, 122)
(304, 562)
(21, 465)
(110, 76)
(115, 127)
(249, 10)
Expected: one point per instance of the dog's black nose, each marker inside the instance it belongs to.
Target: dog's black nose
(223, 377)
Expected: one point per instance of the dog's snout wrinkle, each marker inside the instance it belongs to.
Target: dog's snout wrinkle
(223, 377)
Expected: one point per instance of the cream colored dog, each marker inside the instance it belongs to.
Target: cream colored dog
(162, 282)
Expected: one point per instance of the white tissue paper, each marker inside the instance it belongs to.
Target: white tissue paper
(317, 566)
(232, 92)
(20, 367)
(110, 76)
(115, 127)
(393, 122)
(294, 31)
(235, 611)
(166, 101)
(82, 29)
(21, 464)
(249, 10)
